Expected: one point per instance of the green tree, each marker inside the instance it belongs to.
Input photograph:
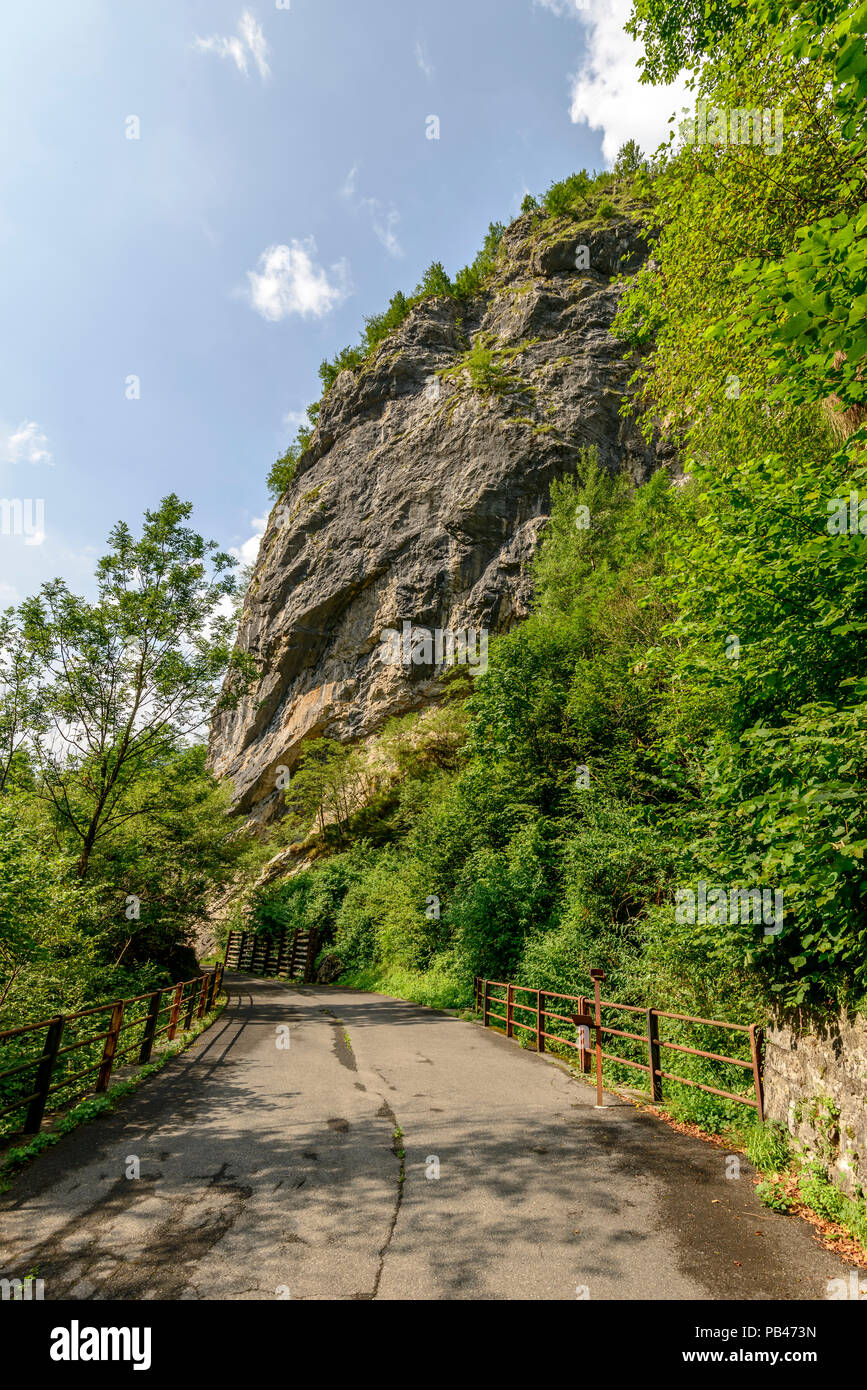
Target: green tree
(282, 472)
(630, 160)
(128, 677)
(22, 710)
(330, 783)
(568, 195)
(752, 309)
(434, 281)
(156, 873)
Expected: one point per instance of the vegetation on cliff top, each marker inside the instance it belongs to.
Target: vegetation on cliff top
(580, 195)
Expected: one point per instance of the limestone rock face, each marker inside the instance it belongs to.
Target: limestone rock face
(422, 497)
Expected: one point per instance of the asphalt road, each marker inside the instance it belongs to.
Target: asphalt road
(268, 1172)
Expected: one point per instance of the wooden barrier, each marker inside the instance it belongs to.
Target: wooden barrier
(290, 955)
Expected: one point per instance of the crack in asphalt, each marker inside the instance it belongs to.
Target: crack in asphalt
(385, 1112)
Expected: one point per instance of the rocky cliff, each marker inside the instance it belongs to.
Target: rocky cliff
(421, 499)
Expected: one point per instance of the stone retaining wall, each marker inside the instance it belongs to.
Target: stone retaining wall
(816, 1085)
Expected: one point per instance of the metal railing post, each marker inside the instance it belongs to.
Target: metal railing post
(756, 1054)
(191, 1007)
(216, 982)
(110, 1047)
(583, 1051)
(176, 1009)
(45, 1070)
(150, 1028)
(653, 1055)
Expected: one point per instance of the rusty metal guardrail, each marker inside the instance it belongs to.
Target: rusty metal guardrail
(49, 1064)
(584, 1019)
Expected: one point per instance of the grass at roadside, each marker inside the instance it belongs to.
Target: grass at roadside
(433, 988)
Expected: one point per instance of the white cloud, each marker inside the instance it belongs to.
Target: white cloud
(249, 41)
(383, 220)
(289, 281)
(294, 419)
(226, 48)
(563, 7)
(350, 183)
(251, 32)
(247, 552)
(422, 62)
(606, 92)
(383, 223)
(26, 444)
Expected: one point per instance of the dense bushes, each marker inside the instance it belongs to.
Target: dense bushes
(511, 864)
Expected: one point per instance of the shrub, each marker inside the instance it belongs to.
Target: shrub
(500, 897)
(568, 195)
(347, 359)
(772, 1193)
(283, 471)
(473, 276)
(486, 374)
(434, 282)
(378, 326)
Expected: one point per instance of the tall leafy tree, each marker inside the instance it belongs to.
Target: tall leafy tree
(127, 678)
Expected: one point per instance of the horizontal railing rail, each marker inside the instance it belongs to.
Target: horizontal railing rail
(133, 1026)
(587, 1017)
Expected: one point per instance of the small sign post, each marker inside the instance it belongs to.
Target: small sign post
(583, 1023)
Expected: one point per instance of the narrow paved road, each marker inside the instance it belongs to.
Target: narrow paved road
(268, 1172)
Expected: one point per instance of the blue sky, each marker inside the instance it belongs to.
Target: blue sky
(281, 186)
